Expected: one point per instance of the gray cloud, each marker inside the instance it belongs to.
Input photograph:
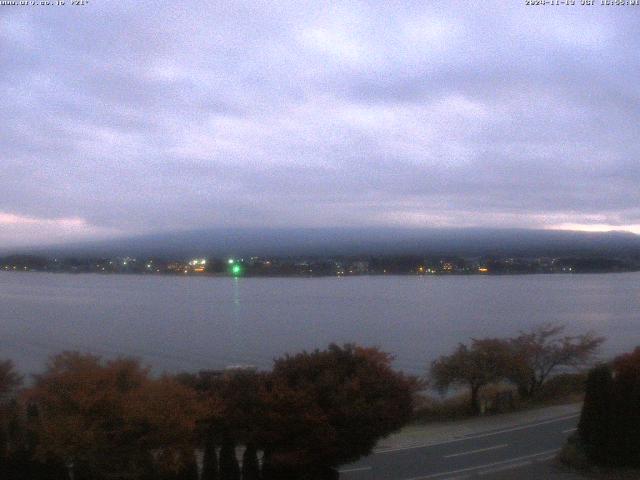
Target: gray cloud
(126, 118)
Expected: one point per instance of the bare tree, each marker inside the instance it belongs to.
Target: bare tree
(543, 350)
(485, 361)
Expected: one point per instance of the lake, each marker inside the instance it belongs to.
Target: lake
(194, 323)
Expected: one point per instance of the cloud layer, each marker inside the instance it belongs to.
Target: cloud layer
(136, 117)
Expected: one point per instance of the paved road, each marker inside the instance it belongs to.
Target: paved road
(524, 451)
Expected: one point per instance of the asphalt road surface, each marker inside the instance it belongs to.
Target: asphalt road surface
(523, 452)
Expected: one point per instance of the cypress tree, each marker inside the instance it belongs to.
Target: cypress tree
(634, 425)
(190, 469)
(267, 468)
(210, 461)
(229, 469)
(595, 419)
(625, 423)
(250, 464)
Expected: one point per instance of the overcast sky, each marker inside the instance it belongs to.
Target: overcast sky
(129, 117)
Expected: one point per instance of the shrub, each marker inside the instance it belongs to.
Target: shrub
(429, 409)
(562, 386)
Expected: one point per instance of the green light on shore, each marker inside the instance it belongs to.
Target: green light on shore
(236, 270)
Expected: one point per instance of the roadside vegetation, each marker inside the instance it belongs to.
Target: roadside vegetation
(607, 442)
(86, 418)
(539, 367)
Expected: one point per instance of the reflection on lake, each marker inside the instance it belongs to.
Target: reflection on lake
(192, 323)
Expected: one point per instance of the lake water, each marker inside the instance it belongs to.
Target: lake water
(187, 323)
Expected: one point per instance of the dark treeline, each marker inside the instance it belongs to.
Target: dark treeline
(91, 419)
(609, 428)
(322, 266)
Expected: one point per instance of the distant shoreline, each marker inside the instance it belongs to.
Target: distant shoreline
(324, 266)
(307, 276)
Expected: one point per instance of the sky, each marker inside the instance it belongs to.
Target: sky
(132, 117)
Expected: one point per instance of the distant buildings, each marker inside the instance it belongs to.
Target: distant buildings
(197, 265)
(321, 266)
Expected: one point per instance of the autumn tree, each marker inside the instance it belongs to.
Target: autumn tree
(330, 407)
(21, 462)
(539, 353)
(10, 381)
(241, 405)
(485, 361)
(232, 416)
(106, 417)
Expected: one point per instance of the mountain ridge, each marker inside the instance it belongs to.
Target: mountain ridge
(354, 241)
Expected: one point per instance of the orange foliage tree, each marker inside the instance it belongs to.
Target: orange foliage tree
(111, 419)
(330, 407)
(10, 381)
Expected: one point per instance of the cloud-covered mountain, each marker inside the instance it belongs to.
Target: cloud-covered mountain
(361, 241)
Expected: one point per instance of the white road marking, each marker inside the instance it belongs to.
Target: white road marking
(511, 466)
(480, 435)
(487, 465)
(569, 430)
(545, 459)
(355, 469)
(470, 452)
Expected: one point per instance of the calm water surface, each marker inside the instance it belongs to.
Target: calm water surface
(177, 323)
